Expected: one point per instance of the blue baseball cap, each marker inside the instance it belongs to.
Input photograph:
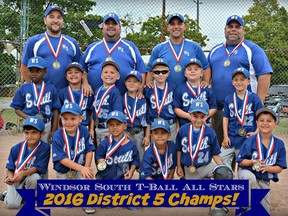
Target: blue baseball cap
(37, 62)
(71, 108)
(160, 123)
(235, 18)
(159, 61)
(199, 105)
(242, 70)
(120, 116)
(135, 74)
(266, 111)
(113, 16)
(175, 15)
(75, 65)
(193, 61)
(110, 62)
(36, 122)
(53, 7)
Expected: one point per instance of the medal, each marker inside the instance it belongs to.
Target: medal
(109, 58)
(131, 115)
(242, 131)
(227, 63)
(109, 51)
(40, 115)
(229, 54)
(241, 117)
(257, 166)
(101, 166)
(192, 169)
(177, 68)
(56, 64)
(70, 175)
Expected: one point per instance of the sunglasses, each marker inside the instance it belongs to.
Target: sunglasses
(157, 72)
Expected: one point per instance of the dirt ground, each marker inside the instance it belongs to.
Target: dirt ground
(278, 194)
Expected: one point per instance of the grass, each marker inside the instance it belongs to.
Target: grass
(282, 126)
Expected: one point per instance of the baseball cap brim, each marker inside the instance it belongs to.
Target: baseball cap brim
(266, 110)
(75, 66)
(110, 63)
(35, 65)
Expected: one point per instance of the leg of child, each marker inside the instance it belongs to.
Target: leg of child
(137, 139)
(12, 198)
(173, 132)
(227, 156)
(48, 130)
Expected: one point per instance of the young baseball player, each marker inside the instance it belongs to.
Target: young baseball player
(73, 92)
(136, 113)
(38, 98)
(116, 157)
(72, 147)
(192, 90)
(107, 98)
(160, 97)
(239, 116)
(159, 160)
(262, 156)
(27, 161)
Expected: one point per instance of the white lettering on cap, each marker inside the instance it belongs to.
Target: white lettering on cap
(33, 120)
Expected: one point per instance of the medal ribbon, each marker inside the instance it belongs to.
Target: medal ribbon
(159, 108)
(164, 168)
(55, 54)
(109, 51)
(259, 147)
(97, 110)
(190, 88)
(234, 50)
(173, 51)
(193, 156)
(70, 92)
(38, 97)
(243, 113)
(112, 148)
(20, 164)
(66, 141)
(133, 117)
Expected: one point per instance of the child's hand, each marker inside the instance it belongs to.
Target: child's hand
(128, 175)
(8, 180)
(226, 142)
(92, 133)
(264, 168)
(250, 134)
(18, 177)
(179, 171)
(204, 84)
(87, 173)
(146, 141)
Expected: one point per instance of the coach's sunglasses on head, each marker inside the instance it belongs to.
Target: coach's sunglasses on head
(157, 72)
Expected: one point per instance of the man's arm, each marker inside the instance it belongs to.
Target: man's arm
(24, 71)
(263, 85)
(207, 76)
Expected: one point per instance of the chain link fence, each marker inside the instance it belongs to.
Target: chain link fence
(145, 24)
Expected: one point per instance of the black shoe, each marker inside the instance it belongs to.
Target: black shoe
(2, 195)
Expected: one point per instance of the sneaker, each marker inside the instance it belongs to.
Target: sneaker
(219, 212)
(2, 195)
(89, 210)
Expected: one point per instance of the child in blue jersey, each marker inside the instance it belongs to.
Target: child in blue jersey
(197, 144)
(136, 111)
(239, 116)
(116, 157)
(27, 161)
(160, 96)
(74, 92)
(107, 98)
(72, 147)
(159, 160)
(38, 98)
(191, 90)
(262, 156)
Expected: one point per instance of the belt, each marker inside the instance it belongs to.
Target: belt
(101, 125)
(170, 121)
(135, 130)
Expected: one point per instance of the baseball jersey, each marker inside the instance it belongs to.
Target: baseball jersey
(39, 159)
(84, 142)
(254, 103)
(125, 54)
(184, 97)
(26, 100)
(85, 102)
(249, 55)
(120, 161)
(167, 111)
(69, 51)
(112, 101)
(150, 166)
(208, 147)
(277, 157)
(190, 50)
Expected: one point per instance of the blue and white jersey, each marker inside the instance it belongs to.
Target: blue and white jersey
(150, 167)
(277, 158)
(249, 55)
(126, 55)
(39, 160)
(254, 103)
(120, 161)
(86, 104)
(85, 145)
(209, 145)
(69, 52)
(167, 112)
(25, 100)
(183, 99)
(112, 101)
(190, 50)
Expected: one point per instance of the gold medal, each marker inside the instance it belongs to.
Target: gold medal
(227, 63)
(70, 175)
(56, 64)
(177, 68)
(192, 169)
(242, 131)
(40, 115)
(257, 166)
(101, 166)
(109, 58)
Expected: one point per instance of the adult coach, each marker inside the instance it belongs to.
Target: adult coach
(112, 47)
(224, 58)
(57, 49)
(176, 51)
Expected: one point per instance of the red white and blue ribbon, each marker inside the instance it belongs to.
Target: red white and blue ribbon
(260, 150)
(98, 108)
(163, 167)
(193, 155)
(159, 107)
(113, 148)
(190, 88)
(234, 50)
(177, 57)
(67, 145)
(243, 113)
(38, 96)
(109, 51)
(133, 116)
(70, 92)
(55, 54)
